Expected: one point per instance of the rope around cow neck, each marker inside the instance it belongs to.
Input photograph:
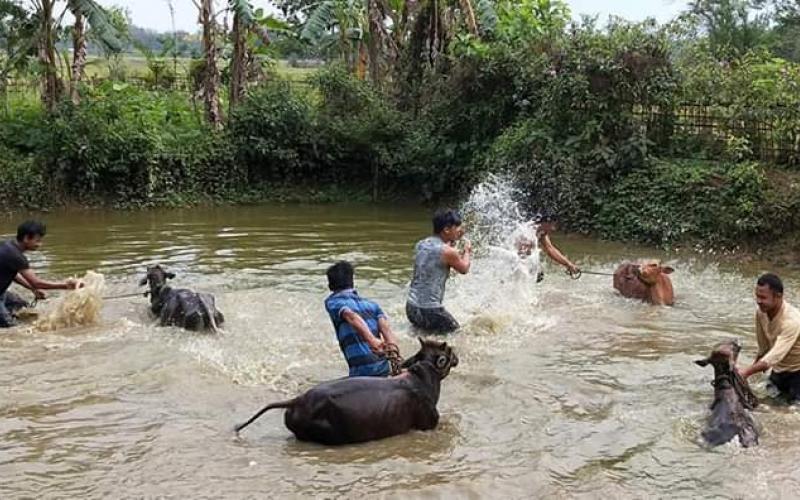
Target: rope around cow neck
(392, 354)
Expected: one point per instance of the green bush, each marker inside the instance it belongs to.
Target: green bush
(23, 182)
(271, 133)
(668, 202)
(128, 145)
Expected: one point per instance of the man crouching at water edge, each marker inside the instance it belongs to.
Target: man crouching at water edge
(778, 336)
(433, 259)
(362, 328)
(14, 266)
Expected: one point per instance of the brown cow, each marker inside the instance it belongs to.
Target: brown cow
(647, 281)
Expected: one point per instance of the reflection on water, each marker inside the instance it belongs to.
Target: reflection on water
(564, 388)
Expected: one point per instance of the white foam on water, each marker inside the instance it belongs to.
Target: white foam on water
(79, 307)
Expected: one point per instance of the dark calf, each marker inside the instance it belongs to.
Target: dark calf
(358, 409)
(732, 399)
(181, 307)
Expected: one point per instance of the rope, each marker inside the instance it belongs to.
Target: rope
(32, 304)
(392, 354)
(580, 272)
(125, 296)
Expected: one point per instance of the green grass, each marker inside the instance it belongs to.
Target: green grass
(136, 66)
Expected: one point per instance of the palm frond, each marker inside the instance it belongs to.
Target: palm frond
(249, 19)
(319, 21)
(99, 22)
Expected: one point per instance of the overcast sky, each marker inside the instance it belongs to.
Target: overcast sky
(154, 14)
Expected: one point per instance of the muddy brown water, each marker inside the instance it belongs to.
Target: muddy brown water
(564, 389)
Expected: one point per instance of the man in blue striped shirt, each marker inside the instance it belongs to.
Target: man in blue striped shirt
(362, 328)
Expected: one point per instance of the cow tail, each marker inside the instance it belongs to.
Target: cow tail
(271, 406)
(209, 310)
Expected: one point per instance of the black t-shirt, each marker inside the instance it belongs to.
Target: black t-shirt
(12, 261)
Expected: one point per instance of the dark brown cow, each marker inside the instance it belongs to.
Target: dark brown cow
(732, 399)
(647, 281)
(358, 409)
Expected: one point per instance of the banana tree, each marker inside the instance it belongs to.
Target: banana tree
(245, 20)
(88, 11)
(211, 76)
(49, 22)
(340, 23)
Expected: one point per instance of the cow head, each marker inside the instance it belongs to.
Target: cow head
(649, 271)
(157, 278)
(724, 355)
(723, 358)
(439, 354)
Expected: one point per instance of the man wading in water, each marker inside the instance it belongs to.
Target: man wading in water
(546, 224)
(14, 266)
(433, 259)
(361, 326)
(778, 336)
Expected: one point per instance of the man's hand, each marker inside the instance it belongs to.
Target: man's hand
(467, 246)
(376, 345)
(573, 269)
(39, 295)
(73, 284)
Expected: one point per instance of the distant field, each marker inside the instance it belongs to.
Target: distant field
(136, 66)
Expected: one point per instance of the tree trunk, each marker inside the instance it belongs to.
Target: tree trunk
(361, 63)
(211, 78)
(374, 19)
(238, 63)
(51, 87)
(78, 56)
(469, 17)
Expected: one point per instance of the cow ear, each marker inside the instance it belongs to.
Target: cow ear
(702, 362)
(170, 275)
(143, 281)
(667, 270)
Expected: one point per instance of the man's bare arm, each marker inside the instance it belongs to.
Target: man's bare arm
(360, 326)
(460, 262)
(40, 284)
(555, 254)
(386, 331)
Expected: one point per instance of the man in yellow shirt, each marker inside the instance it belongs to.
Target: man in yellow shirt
(778, 336)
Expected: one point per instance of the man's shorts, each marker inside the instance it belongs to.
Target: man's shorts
(434, 320)
(788, 384)
(10, 303)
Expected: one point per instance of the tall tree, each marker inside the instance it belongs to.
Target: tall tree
(733, 27)
(211, 78)
(245, 21)
(98, 19)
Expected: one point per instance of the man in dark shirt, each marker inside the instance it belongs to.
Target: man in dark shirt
(14, 267)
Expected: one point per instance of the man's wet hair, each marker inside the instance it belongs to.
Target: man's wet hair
(772, 281)
(340, 276)
(31, 228)
(444, 219)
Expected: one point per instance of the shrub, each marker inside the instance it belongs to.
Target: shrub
(667, 202)
(271, 133)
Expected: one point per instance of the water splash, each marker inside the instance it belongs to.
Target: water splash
(499, 291)
(77, 308)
